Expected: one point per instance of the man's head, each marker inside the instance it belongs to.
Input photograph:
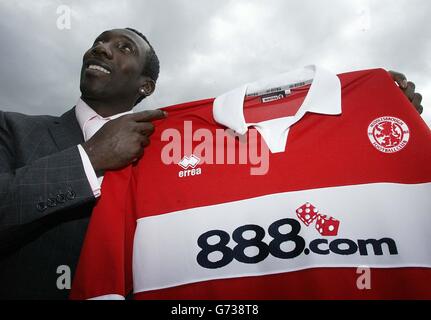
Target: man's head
(121, 68)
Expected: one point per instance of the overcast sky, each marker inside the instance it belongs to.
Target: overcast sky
(209, 47)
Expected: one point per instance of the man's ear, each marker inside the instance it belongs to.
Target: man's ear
(148, 86)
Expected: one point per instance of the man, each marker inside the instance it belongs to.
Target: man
(48, 165)
(50, 168)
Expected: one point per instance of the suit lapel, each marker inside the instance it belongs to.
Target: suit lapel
(66, 131)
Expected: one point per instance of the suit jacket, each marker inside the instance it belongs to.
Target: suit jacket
(45, 203)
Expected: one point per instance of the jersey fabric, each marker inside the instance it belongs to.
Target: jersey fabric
(341, 209)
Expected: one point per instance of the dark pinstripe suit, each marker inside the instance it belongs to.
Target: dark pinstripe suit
(45, 201)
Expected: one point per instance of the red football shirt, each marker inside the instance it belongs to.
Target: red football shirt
(339, 207)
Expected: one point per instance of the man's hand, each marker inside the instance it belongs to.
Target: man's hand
(121, 141)
(408, 88)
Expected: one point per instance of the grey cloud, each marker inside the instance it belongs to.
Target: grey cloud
(208, 47)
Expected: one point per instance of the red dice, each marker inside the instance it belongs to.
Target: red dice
(326, 225)
(307, 213)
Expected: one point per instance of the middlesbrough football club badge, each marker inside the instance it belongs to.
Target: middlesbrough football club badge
(388, 134)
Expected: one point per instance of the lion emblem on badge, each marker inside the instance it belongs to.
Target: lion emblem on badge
(388, 134)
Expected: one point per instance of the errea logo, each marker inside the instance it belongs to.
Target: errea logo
(189, 165)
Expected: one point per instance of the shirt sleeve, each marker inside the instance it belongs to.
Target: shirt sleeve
(104, 270)
(90, 173)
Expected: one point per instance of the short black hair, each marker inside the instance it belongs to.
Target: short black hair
(152, 63)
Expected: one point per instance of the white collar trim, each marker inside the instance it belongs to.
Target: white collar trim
(324, 97)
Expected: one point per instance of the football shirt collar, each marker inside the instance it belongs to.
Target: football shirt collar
(323, 97)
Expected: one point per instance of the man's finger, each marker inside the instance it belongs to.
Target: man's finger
(145, 141)
(399, 78)
(410, 91)
(149, 115)
(417, 99)
(420, 109)
(146, 128)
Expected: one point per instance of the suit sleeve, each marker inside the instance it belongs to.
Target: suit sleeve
(32, 193)
(104, 269)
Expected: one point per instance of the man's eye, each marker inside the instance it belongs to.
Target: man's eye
(125, 48)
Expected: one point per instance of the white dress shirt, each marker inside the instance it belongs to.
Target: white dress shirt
(90, 122)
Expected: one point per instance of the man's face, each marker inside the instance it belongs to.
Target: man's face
(112, 67)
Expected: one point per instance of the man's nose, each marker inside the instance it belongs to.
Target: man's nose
(102, 49)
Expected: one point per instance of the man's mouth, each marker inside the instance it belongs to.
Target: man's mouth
(95, 66)
(99, 68)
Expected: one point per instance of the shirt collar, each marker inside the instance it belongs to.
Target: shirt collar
(84, 113)
(324, 96)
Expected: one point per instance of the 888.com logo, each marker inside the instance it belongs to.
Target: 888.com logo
(216, 250)
(239, 251)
